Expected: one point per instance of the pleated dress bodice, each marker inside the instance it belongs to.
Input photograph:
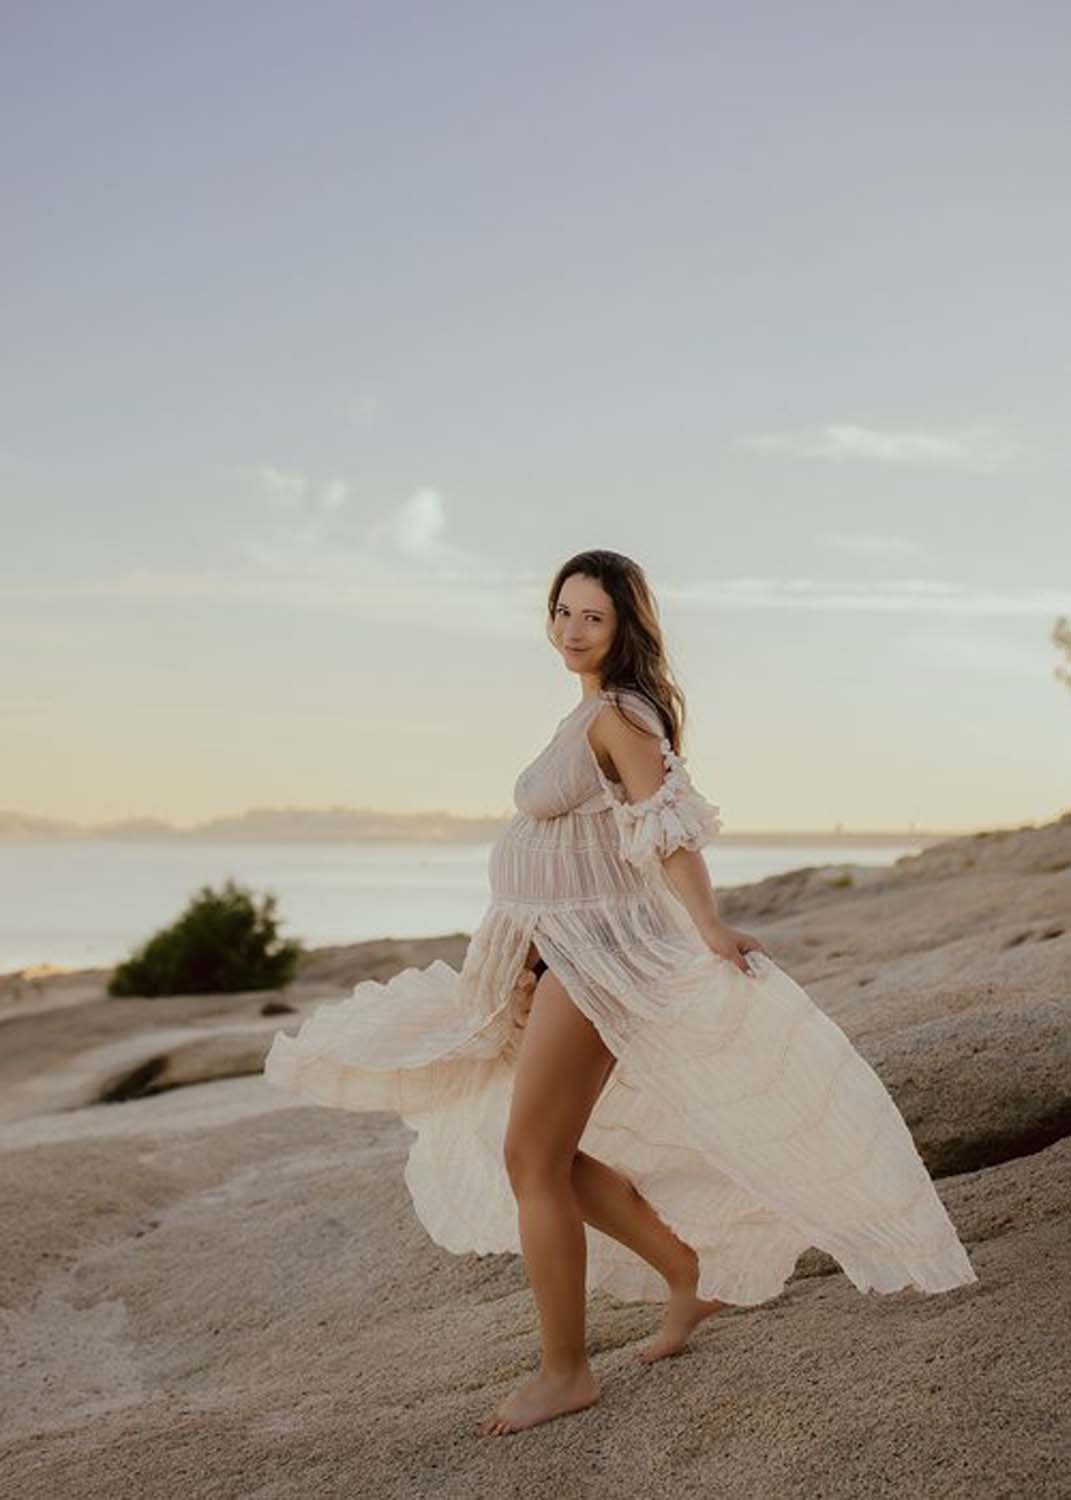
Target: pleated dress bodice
(562, 846)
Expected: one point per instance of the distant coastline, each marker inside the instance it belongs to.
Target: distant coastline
(339, 825)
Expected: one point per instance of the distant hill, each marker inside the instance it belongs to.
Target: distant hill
(263, 825)
(21, 828)
(348, 825)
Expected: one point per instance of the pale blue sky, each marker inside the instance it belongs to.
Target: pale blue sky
(331, 331)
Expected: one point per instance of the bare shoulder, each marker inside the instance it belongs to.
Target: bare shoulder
(628, 744)
(617, 736)
(632, 716)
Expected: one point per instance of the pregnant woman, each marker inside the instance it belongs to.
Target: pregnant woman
(617, 1084)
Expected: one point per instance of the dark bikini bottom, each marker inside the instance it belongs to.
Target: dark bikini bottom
(539, 967)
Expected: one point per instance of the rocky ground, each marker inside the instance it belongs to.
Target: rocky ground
(208, 1289)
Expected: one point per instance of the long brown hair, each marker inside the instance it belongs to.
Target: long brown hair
(637, 659)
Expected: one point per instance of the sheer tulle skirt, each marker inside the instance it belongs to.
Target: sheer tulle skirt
(737, 1107)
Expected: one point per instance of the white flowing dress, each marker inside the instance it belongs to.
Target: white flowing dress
(736, 1106)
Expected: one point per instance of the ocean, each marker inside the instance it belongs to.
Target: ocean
(87, 904)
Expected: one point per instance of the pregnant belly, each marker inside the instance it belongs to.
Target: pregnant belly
(517, 874)
(558, 861)
(528, 865)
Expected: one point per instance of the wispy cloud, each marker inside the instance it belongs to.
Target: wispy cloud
(971, 650)
(870, 544)
(893, 595)
(291, 492)
(310, 570)
(311, 554)
(287, 489)
(398, 564)
(334, 494)
(404, 540)
(976, 448)
(416, 528)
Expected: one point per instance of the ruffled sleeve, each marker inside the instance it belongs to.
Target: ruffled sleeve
(676, 816)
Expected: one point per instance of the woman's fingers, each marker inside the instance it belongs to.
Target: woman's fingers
(524, 990)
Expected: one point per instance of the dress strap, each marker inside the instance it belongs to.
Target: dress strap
(635, 701)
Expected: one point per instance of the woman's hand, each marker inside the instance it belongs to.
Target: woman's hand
(731, 943)
(524, 993)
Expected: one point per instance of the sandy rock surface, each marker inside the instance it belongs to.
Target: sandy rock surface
(208, 1289)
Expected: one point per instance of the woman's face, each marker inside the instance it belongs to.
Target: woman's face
(584, 624)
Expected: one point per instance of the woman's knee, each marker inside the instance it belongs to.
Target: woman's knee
(531, 1162)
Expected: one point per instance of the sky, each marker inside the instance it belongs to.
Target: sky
(331, 331)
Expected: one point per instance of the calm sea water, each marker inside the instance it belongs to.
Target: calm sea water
(88, 904)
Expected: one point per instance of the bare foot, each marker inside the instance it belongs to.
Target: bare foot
(683, 1312)
(539, 1399)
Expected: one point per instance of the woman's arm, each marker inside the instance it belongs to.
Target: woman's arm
(637, 759)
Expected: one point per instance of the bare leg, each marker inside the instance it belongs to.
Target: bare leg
(560, 1068)
(610, 1203)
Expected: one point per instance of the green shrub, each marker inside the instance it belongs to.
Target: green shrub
(839, 882)
(221, 943)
